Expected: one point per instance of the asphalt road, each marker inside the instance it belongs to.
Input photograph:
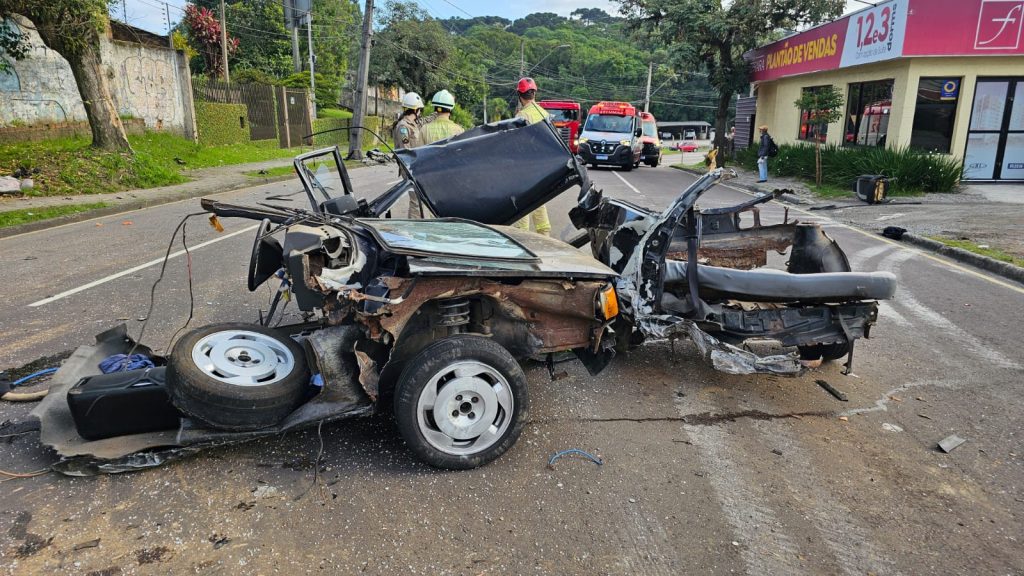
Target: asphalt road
(703, 473)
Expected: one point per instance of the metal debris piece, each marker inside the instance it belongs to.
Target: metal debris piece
(831, 390)
(88, 544)
(571, 451)
(950, 443)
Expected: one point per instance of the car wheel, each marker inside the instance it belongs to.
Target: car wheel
(627, 167)
(461, 402)
(826, 352)
(237, 376)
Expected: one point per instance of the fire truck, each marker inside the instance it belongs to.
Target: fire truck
(565, 115)
(612, 135)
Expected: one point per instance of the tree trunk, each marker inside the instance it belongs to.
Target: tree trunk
(721, 117)
(817, 160)
(107, 129)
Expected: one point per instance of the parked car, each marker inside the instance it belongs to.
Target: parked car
(429, 319)
(687, 146)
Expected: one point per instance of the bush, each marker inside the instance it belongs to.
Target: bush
(221, 123)
(912, 171)
(253, 76)
(327, 88)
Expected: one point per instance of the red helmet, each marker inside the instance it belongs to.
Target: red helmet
(526, 84)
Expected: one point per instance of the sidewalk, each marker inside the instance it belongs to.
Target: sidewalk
(987, 214)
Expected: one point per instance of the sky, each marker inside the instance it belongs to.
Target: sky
(150, 14)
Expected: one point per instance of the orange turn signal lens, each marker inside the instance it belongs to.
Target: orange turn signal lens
(609, 303)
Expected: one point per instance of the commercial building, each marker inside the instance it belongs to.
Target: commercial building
(946, 76)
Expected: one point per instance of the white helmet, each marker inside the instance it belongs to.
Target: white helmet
(412, 101)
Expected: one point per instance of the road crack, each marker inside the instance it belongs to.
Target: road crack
(704, 418)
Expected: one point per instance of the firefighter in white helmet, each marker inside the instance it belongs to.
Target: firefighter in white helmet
(406, 134)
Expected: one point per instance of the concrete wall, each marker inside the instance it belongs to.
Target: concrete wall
(146, 82)
(775, 99)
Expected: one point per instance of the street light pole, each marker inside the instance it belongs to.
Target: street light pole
(647, 97)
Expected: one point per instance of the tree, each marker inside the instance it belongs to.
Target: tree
(13, 44)
(590, 16)
(820, 107)
(537, 19)
(73, 28)
(497, 109)
(204, 30)
(412, 51)
(712, 35)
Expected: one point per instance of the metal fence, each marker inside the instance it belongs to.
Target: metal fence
(271, 112)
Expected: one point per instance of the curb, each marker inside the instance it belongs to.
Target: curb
(131, 205)
(785, 197)
(998, 267)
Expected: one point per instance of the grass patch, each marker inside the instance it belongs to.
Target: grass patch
(70, 166)
(994, 253)
(333, 113)
(272, 172)
(698, 166)
(16, 217)
(830, 191)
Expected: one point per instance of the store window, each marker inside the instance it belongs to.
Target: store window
(810, 130)
(867, 114)
(935, 114)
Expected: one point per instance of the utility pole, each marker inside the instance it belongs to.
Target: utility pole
(170, 32)
(355, 136)
(485, 102)
(312, 58)
(647, 96)
(522, 57)
(224, 42)
(296, 55)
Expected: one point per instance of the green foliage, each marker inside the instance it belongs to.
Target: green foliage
(462, 117)
(24, 216)
(498, 109)
(220, 123)
(823, 105)
(327, 89)
(913, 171)
(253, 76)
(69, 166)
(712, 36)
(333, 113)
(13, 43)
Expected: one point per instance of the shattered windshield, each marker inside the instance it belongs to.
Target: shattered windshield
(322, 171)
(449, 237)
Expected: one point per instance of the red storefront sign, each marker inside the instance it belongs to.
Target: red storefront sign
(894, 29)
(964, 28)
(817, 49)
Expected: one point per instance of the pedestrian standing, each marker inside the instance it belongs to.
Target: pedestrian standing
(406, 134)
(765, 148)
(530, 111)
(441, 126)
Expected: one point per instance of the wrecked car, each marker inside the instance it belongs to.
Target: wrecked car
(430, 318)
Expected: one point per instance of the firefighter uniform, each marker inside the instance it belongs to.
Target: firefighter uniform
(533, 113)
(439, 128)
(406, 134)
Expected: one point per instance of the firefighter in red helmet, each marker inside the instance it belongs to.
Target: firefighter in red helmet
(532, 113)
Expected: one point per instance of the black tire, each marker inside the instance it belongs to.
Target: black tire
(627, 167)
(218, 403)
(827, 352)
(430, 367)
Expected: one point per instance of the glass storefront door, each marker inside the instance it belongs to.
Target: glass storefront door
(995, 138)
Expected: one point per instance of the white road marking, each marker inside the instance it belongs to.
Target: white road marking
(135, 269)
(624, 181)
(858, 259)
(885, 310)
(905, 299)
(850, 542)
(874, 236)
(764, 545)
(890, 216)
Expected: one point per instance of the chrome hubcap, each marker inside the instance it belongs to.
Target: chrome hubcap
(243, 358)
(465, 408)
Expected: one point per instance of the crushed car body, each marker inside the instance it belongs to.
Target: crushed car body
(430, 318)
